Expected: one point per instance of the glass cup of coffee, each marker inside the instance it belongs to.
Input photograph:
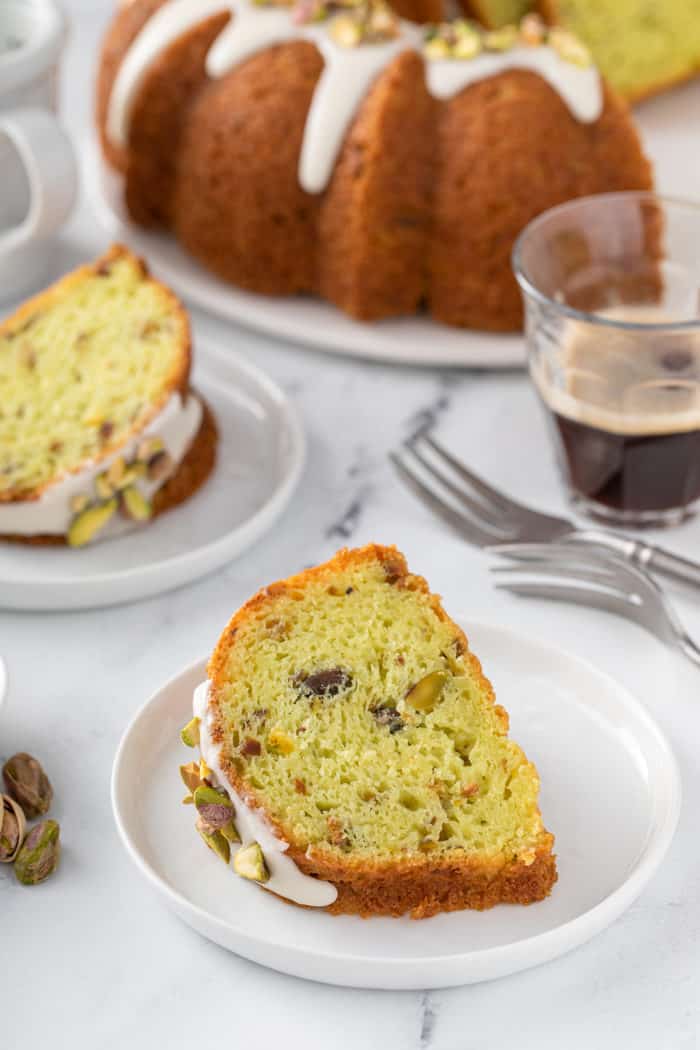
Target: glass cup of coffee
(611, 287)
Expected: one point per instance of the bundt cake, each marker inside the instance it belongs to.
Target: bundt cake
(352, 753)
(99, 430)
(641, 46)
(342, 152)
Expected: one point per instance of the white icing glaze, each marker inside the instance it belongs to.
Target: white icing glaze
(348, 72)
(51, 514)
(579, 88)
(286, 879)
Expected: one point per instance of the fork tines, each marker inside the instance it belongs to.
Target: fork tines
(465, 501)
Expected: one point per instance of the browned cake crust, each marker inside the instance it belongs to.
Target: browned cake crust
(418, 885)
(426, 199)
(193, 471)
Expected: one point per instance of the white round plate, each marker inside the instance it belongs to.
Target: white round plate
(310, 322)
(260, 458)
(610, 794)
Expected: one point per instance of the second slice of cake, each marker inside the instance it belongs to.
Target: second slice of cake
(99, 429)
(352, 753)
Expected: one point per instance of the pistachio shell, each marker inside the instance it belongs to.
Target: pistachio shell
(38, 857)
(13, 826)
(249, 863)
(27, 783)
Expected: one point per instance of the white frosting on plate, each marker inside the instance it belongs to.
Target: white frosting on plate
(176, 425)
(347, 76)
(286, 879)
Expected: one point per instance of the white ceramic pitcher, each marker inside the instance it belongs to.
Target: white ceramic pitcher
(38, 177)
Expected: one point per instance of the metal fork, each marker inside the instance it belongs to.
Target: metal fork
(602, 579)
(485, 517)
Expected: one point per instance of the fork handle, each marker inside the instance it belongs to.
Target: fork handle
(645, 555)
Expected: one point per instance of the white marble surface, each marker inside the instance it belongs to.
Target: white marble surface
(91, 959)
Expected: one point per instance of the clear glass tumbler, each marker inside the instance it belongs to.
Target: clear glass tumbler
(611, 286)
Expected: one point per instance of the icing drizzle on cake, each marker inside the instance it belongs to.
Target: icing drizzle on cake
(286, 879)
(347, 76)
(51, 514)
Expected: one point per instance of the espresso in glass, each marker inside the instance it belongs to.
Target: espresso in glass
(611, 289)
(624, 405)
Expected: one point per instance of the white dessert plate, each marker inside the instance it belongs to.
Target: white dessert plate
(260, 459)
(309, 322)
(610, 793)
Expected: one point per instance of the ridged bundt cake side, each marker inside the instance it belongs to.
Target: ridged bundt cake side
(429, 189)
(352, 742)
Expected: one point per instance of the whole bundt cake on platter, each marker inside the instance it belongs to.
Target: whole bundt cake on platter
(341, 151)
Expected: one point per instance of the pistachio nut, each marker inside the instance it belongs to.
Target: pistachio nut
(190, 733)
(115, 472)
(425, 694)
(214, 808)
(467, 45)
(27, 783)
(86, 525)
(39, 855)
(103, 486)
(79, 503)
(134, 505)
(501, 39)
(13, 826)
(230, 832)
(249, 863)
(190, 775)
(215, 841)
(569, 47)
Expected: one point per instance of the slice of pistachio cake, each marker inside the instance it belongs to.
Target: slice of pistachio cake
(99, 430)
(352, 753)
